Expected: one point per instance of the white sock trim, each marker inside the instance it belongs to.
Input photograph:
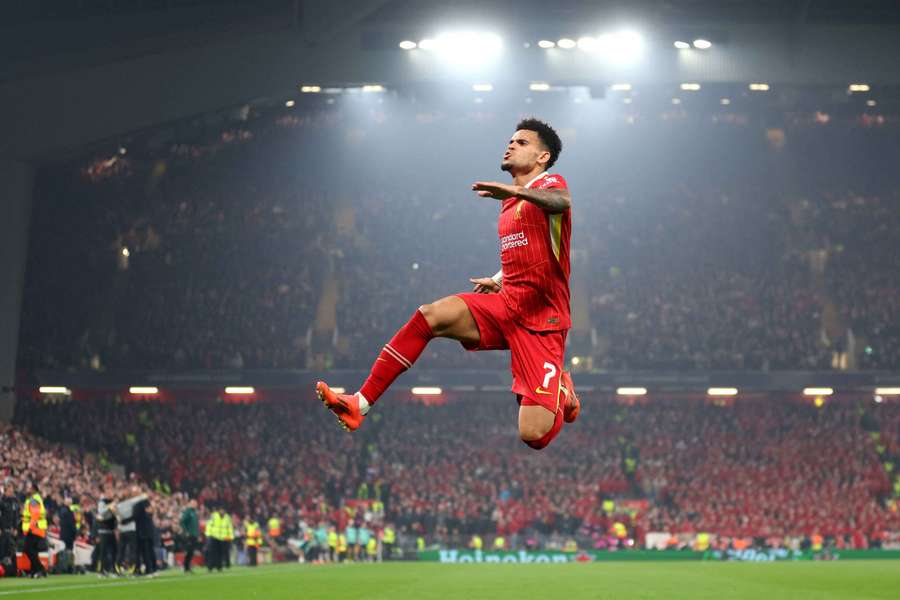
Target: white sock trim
(363, 404)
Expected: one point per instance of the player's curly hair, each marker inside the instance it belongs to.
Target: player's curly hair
(546, 134)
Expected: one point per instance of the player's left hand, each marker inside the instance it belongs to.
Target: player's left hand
(494, 189)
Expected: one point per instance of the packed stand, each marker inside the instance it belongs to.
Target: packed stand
(71, 488)
(205, 259)
(681, 282)
(215, 253)
(763, 467)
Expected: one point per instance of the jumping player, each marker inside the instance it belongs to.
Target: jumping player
(523, 308)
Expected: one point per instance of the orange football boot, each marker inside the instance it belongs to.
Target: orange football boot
(344, 406)
(572, 406)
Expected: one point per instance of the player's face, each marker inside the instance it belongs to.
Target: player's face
(523, 152)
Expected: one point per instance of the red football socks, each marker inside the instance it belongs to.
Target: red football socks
(397, 356)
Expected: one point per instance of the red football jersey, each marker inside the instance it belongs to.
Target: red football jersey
(534, 257)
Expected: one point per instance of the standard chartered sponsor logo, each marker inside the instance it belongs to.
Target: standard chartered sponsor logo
(513, 240)
(455, 556)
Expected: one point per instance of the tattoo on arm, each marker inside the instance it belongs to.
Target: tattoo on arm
(553, 199)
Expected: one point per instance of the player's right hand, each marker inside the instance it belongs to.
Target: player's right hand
(485, 285)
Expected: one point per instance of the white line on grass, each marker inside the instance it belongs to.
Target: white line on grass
(139, 581)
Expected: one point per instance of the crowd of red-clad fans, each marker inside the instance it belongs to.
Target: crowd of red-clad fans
(71, 483)
(279, 243)
(766, 468)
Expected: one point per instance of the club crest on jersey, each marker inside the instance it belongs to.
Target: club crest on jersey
(519, 209)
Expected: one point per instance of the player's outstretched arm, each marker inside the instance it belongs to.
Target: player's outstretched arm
(550, 199)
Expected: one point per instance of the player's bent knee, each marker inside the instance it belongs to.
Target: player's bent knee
(533, 432)
(538, 437)
(431, 314)
(444, 315)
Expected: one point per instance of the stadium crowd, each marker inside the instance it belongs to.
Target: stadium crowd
(71, 485)
(681, 281)
(224, 248)
(82, 503)
(764, 467)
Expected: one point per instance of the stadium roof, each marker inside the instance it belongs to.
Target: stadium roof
(77, 72)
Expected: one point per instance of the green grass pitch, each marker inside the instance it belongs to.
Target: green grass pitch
(423, 581)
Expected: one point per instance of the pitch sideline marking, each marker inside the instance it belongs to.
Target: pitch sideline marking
(99, 584)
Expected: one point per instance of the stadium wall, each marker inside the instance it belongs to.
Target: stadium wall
(15, 211)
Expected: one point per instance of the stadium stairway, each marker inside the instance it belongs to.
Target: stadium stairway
(324, 328)
(873, 427)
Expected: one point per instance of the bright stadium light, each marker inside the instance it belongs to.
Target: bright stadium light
(539, 86)
(55, 389)
(576, 360)
(427, 391)
(871, 103)
(125, 252)
(620, 87)
(888, 391)
(407, 45)
(858, 87)
(682, 45)
(631, 391)
(759, 87)
(546, 44)
(239, 390)
(690, 87)
(620, 48)
(143, 390)
(289, 104)
(465, 47)
(310, 89)
(587, 43)
(701, 44)
(482, 87)
(818, 391)
(724, 101)
(375, 88)
(722, 391)
(566, 43)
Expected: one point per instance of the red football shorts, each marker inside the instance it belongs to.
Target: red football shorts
(536, 358)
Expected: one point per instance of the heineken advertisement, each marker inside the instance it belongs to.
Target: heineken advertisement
(553, 556)
(781, 554)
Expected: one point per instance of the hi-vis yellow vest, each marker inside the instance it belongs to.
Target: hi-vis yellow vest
(274, 527)
(254, 534)
(213, 528)
(34, 517)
